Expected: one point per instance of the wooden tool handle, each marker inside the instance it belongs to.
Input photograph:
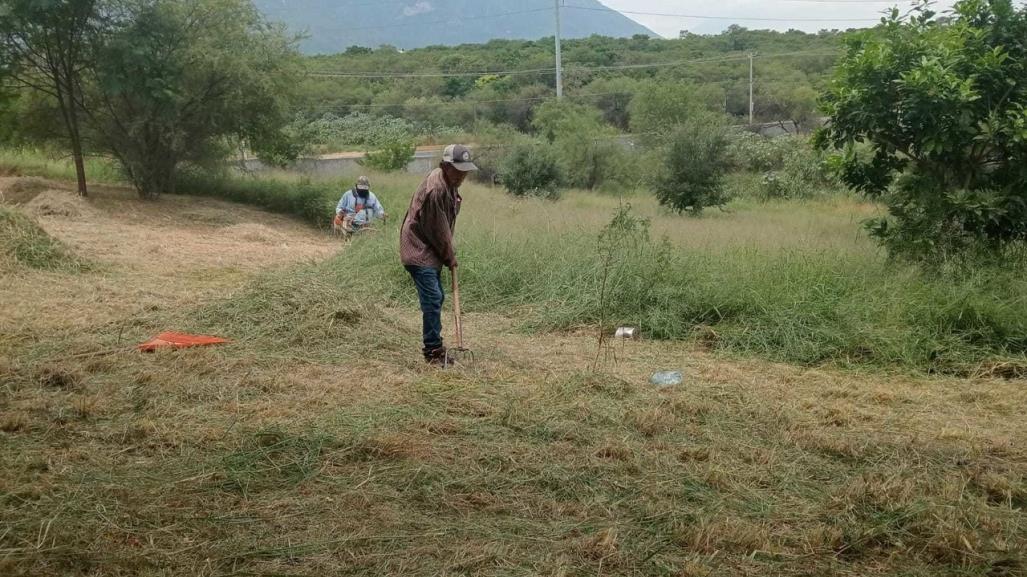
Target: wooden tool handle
(456, 309)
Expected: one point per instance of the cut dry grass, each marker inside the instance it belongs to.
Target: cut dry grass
(23, 244)
(236, 461)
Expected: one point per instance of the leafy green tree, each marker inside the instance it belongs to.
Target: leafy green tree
(588, 148)
(532, 169)
(612, 96)
(942, 107)
(658, 109)
(44, 46)
(493, 145)
(693, 162)
(391, 157)
(175, 79)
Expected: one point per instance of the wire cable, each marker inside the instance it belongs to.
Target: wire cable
(568, 66)
(704, 17)
(449, 21)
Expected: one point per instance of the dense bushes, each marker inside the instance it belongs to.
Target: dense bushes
(692, 166)
(788, 166)
(360, 130)
(392, 156)
(531, 169)
(493, 144)
(588, 149)
(312, 201)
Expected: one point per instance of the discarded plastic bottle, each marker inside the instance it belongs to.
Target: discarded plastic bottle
(666, 378)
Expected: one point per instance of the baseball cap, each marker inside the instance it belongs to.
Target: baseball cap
(363, 183)
(459, 156)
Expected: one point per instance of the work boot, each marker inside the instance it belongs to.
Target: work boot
(436, 357)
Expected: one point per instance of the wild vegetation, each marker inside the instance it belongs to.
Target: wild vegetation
(604, 73)
(846, 410)
(944, 111)
(317, 443)
(156, 85)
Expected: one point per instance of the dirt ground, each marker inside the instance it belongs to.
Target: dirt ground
(339, 452)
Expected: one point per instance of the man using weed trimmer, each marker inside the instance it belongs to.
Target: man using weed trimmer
(358, 208)
(426, 243)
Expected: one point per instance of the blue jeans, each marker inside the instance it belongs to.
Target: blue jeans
(429, 291)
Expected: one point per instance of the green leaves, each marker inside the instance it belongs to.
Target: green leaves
(941, 104)
(178, 79)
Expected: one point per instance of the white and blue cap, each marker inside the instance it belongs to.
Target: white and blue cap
(459, 156)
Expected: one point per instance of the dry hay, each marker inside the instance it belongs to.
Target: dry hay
(24, 243)
(254, 232)
(21, 190)
(58, 203)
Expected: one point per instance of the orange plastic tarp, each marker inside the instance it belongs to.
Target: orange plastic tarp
(179, 341)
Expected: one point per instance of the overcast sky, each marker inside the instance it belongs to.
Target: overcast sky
(791, 10)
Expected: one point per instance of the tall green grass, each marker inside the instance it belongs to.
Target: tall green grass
(793, 305)
(56, 165)
(310, 199)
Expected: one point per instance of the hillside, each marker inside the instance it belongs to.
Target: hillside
(332, 26)
(789, 69)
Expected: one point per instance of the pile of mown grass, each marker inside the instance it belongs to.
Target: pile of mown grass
(24, 244)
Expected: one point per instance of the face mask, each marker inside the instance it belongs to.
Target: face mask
(363, 193)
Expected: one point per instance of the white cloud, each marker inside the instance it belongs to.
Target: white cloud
(419, 8)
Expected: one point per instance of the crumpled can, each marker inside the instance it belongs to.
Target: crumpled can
(630, 333)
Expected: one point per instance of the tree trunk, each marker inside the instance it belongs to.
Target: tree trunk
(153, 177)
(80, 165)
(67, 103)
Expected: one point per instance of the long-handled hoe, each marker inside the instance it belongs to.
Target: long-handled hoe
(460, 353)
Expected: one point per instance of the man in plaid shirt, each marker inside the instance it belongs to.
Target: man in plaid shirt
(426, 241)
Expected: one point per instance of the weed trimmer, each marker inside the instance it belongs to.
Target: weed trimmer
(460, 353)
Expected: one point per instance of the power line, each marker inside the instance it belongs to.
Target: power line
(449, 21)
(462, 102)
(329, 74)
(704, 17)
(732, 58)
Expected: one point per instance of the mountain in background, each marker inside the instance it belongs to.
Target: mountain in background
(331, 26)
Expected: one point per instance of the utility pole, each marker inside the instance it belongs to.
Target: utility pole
(752, 104)
(559, 58)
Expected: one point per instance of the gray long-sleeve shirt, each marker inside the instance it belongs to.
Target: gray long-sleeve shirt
(362, 210)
